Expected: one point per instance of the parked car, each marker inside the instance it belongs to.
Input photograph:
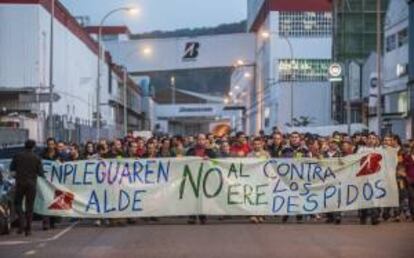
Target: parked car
(7, 189)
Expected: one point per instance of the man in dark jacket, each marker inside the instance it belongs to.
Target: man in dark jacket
(333, 151)
(277, 145)
(295, 149)
(200, 150)
(27, 167)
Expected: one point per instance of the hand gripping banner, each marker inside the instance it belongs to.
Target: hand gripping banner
(237, 186)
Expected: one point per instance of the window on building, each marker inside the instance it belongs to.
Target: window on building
(303, 69)
(305, 24)
(402, 37)
(390, 43)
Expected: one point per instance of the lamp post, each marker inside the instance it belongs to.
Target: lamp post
(52, 19)
(379, 80)
(266, 35)
(172, 82)
(125, 81)
(248, 71)
(100, 53)
(410, 85)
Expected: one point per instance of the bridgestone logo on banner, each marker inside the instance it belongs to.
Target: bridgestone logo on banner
(237, 186)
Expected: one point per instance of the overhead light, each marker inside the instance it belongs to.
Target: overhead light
(265, 34)
(133, 10)
(237, 87)
(240, 62)
(230, 93)
(247, 75)
(147, 51)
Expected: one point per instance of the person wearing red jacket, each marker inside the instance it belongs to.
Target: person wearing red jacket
(241, 147)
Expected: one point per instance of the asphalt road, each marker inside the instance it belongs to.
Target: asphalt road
(233, 238)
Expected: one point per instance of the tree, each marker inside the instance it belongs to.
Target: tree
(302, 121)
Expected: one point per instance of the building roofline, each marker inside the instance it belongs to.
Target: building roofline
(66, 19)
(108, 30)
(288, 6)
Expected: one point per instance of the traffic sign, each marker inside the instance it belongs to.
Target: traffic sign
(335, 72)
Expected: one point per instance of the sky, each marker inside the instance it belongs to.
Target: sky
(161, 14)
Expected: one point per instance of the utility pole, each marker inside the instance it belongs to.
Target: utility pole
(379, 60)
(173, 90)
(51, 43)
(125, 102)
(98, 86)
(348, 97)
(101, 58)
(410, 85)
(172, 97)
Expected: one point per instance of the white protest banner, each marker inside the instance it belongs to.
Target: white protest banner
(236, 186)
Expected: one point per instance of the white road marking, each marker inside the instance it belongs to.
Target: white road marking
(41, 245)
(13, 242)
(42, 241)
(31, 252)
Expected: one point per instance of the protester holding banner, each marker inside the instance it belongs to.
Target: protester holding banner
(178, 149)
(74, 152)
(200, 150)
(371, 144)
(258, 152)
(140, 147)
(240, 147)
(225, 151)
(63, 153)
(276, 147)
(333, 152)
(165, 150)
(89, 151)
(295, 150)
(151, 149)
(117, 150)
(50, 153)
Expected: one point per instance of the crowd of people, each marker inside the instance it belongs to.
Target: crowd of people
(276, 145)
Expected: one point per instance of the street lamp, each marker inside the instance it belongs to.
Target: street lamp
(247, 71)
(51, 57)
(125, 98)
(239, 62)
(147, 51)
(131, 11)
(266, 35)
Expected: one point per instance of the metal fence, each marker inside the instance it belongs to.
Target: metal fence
(13, 136)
